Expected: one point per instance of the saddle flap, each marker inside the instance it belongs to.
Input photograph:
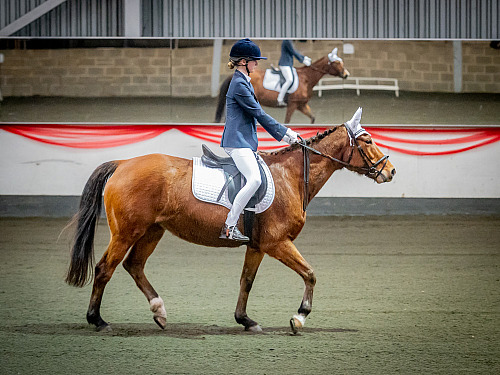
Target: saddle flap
(233, 176)
(207, 184)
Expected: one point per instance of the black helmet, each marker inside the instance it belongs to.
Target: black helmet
(246, 49)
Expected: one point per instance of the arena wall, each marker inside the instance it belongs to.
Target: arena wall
(425, 66)
(39, 179)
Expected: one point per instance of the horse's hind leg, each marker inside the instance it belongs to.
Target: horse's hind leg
(288, 254)
(134, 264)
(306, 110)
(253, 258)
(104, 269)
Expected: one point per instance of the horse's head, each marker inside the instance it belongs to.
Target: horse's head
(336, 65)
(365, 157)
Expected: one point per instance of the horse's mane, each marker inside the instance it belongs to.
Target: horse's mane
(309, 141)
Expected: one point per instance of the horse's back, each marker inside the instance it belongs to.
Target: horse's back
(151, 166)
(145, 179)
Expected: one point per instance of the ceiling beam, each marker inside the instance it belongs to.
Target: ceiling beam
(29, 17)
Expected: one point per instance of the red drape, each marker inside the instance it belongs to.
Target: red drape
(412, 141)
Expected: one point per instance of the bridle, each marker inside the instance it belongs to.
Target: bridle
(369, 170)
(322, 70)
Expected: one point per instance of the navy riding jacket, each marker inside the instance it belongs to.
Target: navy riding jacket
(242, 113)
(288, 53)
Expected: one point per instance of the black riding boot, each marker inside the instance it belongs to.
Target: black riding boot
(233, 233)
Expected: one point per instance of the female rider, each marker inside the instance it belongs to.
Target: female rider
(286, 64)
(239, 138)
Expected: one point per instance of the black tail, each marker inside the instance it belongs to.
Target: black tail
(221, 103)
(82, 252)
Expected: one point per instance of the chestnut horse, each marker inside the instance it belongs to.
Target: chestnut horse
(147, 195)
(309, 77)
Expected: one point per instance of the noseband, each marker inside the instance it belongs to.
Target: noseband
(369, 170)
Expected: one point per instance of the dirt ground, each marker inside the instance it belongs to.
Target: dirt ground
(395, 294)
(334, 107)
(408, 295)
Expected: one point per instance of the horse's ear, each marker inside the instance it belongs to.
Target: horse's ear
(355, 123)
(332, 56)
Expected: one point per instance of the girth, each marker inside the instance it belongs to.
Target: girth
(233, 177)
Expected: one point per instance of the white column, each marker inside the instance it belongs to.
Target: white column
(132, 18)
(216, 67)
(457, 65)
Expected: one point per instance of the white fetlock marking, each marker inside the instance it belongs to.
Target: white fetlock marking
(158, 307)
(300, 320)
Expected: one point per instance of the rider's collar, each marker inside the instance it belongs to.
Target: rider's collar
(248, 78)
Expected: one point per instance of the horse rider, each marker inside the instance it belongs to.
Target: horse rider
(239, 138)
(286, 64)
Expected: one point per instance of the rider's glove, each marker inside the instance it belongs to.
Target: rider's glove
(307, 61)
(290, 137)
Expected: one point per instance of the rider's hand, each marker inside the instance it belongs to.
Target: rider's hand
(290, 137)
(307, 61)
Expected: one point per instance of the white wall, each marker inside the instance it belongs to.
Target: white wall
(28, 167)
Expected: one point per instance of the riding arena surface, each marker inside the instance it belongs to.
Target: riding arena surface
(394, 294)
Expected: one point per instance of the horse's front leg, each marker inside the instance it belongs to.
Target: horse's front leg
(253, 258)
(287, 253)
(291, 107)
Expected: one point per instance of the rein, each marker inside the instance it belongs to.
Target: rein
(370, 170)
(320, 70)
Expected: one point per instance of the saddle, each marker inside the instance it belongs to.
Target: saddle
(233, 177)
(273, 80)
(275, 70)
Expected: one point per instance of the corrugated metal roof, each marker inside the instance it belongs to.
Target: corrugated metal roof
(302, 19)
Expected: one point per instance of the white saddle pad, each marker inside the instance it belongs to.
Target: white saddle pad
(208, 182)
(272, 81)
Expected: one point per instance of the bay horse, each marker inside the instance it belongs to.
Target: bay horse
(309, 77)
(147, 195)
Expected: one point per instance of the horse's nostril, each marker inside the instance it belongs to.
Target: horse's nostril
(393, 171)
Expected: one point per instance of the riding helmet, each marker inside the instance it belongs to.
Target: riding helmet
(247, 49)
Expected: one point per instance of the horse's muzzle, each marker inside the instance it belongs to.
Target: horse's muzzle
(346, 74)
(386, 175)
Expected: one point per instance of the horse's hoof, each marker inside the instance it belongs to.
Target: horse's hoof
(296, 323)
(254, 329)
(103, 328)
(161, 321)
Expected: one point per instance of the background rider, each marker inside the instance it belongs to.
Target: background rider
(286, 64)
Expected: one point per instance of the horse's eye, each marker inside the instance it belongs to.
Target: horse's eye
(369, 142)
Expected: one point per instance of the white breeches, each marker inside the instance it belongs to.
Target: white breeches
(287, 74)
(245, 161)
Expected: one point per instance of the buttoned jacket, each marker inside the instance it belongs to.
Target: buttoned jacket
(242, 113)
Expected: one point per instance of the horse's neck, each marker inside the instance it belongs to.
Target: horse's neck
(291, 161)
(321, 168)
(316, 71)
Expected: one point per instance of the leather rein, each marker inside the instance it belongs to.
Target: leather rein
(370, 170)
(321, 70)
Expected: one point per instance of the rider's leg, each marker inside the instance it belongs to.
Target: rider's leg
(245, 161)
(287, 74)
